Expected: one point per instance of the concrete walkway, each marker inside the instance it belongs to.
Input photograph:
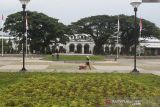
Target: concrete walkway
(13, 64)
(114, 68)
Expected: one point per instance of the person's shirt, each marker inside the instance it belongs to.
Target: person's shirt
(87, 59)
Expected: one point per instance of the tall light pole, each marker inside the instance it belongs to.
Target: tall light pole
(24, 3)
(57, 47)
(118, 27)
(2, 33)
(135, 4)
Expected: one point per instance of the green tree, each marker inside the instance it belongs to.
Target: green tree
(100, 28)
(127, 34)
(103, 29)
(43, 30)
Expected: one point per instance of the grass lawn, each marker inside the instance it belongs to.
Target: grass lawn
(77, 90)
(74, 58)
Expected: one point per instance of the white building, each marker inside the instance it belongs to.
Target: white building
(84, 44)
(80, 44)
(149, 46)
(6, 38)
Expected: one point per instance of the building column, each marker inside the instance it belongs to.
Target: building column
(75, 48)
(91, 48)
(104, 49)
(67, 48)
(120, 49)
(109, 49)
(82, 48)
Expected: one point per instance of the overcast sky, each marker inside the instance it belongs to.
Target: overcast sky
(68, 11)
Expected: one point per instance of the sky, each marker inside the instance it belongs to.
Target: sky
(68, 11)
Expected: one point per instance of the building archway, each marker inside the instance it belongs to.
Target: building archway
(79, 48)
(71, 48)
(86, 49)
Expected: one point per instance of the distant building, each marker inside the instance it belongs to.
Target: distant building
(8, 43)
(6, 37)
(80, 44)
(150, 1)
(149, 46)
(84, 44)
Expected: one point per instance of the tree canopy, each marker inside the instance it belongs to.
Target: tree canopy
(43, 30)
(128, 35)
(103, 28)
(100, 28)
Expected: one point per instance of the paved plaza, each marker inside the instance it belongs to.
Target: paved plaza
(14, 64)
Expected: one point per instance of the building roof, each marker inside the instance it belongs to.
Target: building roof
(150, 39)
(150, 42)
(5, 35)
(80, 38)
(151, 45)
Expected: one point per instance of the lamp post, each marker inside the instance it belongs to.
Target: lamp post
(135, 4)
(24, 3)
(57, 47)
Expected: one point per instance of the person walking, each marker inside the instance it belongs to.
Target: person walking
(88, 62)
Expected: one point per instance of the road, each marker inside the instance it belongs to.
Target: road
(14, 64)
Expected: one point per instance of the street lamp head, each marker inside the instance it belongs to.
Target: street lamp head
(135, 3)
(24, 2)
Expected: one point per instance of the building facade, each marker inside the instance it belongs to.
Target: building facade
(149, 46)
(80, 44)
(84, 44)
